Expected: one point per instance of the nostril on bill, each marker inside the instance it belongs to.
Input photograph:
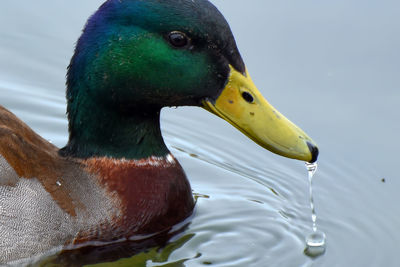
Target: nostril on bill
(314, 152)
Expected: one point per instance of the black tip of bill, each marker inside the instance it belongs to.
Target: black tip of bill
(314, 152)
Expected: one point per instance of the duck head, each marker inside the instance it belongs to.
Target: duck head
(137, 56)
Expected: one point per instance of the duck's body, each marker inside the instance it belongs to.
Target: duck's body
(54, 201)
(116, 179)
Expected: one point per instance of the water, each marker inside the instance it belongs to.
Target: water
(315, 242)
(312, 168)
(251, 209)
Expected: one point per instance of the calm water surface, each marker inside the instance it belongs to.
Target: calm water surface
(330, 66)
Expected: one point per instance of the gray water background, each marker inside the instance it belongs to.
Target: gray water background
(332, 67)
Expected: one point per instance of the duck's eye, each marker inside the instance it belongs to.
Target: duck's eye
(178, 39)
(248, 97)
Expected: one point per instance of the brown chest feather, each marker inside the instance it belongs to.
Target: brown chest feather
(154, 193)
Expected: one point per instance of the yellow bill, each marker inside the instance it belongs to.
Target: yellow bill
(243, 106)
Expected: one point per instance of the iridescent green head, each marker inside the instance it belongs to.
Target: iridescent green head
(137, 56)
(152, 54)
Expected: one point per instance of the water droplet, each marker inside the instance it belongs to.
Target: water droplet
(58, 183)
(316, 244)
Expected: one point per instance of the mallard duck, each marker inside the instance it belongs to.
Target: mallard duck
(116, 179)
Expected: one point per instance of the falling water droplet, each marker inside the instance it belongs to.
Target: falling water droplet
(315, 242)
